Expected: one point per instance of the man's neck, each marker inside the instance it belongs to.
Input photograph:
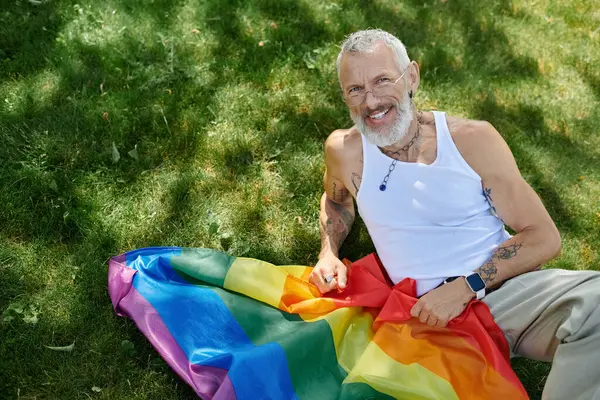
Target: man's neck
(397, 148)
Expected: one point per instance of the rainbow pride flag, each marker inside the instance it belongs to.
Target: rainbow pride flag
(241, 328)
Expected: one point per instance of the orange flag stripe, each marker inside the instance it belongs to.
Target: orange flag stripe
(406, 344)
(300, 297)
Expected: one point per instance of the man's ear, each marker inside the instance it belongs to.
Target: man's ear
(414, 77)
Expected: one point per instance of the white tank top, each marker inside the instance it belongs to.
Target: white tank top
(432, 221)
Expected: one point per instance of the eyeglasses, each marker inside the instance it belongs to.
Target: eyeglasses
(383, 87)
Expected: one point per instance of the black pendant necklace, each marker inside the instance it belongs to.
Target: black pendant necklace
(383, 185)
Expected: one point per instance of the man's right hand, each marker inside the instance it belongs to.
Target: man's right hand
(329, 274)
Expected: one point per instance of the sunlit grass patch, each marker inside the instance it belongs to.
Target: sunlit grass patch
(19, 96)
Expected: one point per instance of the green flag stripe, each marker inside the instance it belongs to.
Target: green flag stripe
(309, 347)
(361, 391)
(201, 266)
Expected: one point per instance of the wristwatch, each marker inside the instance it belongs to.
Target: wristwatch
(476, 284)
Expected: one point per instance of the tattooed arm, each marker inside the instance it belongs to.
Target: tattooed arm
(336, 218)
(336, 221)
(513, 201)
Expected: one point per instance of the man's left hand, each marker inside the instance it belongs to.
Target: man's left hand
(441, 305)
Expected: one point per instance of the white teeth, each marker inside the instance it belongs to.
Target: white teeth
(380, 114)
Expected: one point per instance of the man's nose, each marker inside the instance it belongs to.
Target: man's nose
(371, 101)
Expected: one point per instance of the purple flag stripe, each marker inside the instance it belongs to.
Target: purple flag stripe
(208, 382)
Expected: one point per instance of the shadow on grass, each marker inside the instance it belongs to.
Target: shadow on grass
(50, 149)
(27, 37)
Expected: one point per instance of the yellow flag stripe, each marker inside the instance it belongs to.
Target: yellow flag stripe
(257, 279)
(400, 381)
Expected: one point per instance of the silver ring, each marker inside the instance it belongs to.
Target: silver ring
(328, 278)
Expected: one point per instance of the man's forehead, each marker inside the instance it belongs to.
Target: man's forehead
(380, 59)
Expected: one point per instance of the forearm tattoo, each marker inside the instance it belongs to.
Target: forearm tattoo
(506, 252)
(338, 223)
(488, 271)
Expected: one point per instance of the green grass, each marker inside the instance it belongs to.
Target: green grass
(228, 103)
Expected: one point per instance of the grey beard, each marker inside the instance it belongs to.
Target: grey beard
(397, 131)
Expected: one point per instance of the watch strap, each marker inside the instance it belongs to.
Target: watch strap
(480, 294)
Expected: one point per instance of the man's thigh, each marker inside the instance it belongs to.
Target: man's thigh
(540, 309)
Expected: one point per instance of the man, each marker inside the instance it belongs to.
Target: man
(435, 193)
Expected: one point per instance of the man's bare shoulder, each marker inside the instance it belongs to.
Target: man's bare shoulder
(343, 144)
(472, 135)
(469, 129)
(480, 144)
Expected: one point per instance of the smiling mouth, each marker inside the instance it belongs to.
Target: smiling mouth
(380, 114)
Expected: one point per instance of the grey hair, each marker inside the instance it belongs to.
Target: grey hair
(364, 42)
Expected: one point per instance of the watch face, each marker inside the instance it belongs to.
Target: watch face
(475, 282)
